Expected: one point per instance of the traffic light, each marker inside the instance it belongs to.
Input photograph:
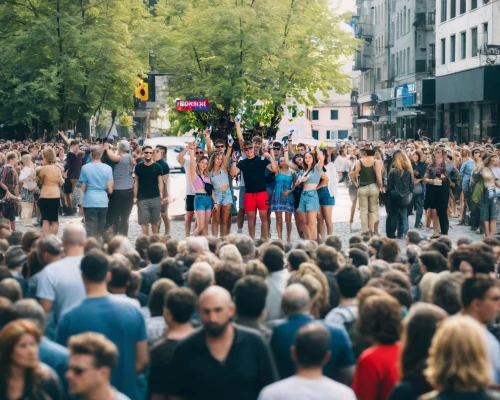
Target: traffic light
(142, 91)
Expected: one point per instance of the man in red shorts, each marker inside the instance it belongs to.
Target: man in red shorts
(256, 198)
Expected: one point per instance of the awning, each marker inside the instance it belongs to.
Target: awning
(363, 120)
(406, 114)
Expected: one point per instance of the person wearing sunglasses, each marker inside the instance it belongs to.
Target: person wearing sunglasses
(92, 359)
(148, 191)
(256, 198)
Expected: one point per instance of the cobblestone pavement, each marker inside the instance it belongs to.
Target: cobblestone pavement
(341, 212)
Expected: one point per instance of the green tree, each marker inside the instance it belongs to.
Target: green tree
(235, 52)
(63, 61)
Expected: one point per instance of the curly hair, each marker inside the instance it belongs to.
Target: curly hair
(380, 319)
(322, 303)
(478, 255)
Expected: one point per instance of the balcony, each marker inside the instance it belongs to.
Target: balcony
(364, 31)
(362, 61)
(431, 67)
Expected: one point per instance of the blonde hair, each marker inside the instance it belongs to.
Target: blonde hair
(402, 162)
(229, 252)
(211, 162)
(321, 299)
(25, 157)
(458, 357)
(49, 154)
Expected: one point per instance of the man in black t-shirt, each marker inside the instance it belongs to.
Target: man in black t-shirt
(159, 157)
(148, 191)
(256, 198)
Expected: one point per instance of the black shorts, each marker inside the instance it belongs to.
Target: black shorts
(68, 186)
(49, 208)
(189, 202)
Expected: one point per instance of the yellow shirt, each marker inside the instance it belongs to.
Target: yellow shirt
(51, 179)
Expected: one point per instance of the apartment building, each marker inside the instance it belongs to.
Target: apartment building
(396, 60)
(468, 68)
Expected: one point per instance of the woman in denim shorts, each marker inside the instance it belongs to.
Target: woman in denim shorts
(218, 167)
(204, 198)
(326, 194)
(309, 201)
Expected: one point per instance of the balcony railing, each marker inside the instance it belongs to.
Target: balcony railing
(431, 66)
(362, 61)
(364, 31)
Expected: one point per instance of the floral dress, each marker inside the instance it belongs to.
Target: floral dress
(10, 208)
(281, 203)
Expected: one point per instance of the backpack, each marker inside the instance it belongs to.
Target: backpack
(358, 342)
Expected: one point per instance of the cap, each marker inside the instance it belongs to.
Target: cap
(124, 145)
(497, 146)
(15, 257)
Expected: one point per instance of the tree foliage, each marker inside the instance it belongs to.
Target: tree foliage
(64, 60)
(235, 52)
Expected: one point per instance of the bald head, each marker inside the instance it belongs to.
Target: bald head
(74, 235)
(97, 152)
(216, 310)
(216, 294)
(295, 300)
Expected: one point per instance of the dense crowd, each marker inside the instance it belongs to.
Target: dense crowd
(225, 316)
(232, 318)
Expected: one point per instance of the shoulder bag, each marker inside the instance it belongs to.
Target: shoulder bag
(208, 186)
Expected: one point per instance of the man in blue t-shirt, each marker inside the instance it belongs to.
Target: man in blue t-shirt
(118, 320)
(296, 304)
(96, 180)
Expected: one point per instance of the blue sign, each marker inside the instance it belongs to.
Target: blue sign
(406, 95)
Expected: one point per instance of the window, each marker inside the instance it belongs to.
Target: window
(329, 134)
(408, 60)
(397, 27)
(485, 33)
(473, 40)
(315, 133)
(473, 4)
(334, 114)
(443, 10)
(315, 115)
(463, 6)
(443, 52)
(453, 8)
(404, 22)
(343, 134)
(379, 74)
(409, 20)
(294, 113)
(463, 45)
(452, 48)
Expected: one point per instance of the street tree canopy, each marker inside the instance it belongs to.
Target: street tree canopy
(64, 60)
(236, 52)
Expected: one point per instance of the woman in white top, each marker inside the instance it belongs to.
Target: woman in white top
(28, 178)
(327, 189)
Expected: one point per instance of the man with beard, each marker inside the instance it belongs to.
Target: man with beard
(148, 191)
(222, 360)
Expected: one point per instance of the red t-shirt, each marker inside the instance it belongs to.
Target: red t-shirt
(377, 372)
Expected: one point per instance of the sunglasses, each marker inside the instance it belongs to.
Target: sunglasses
(198, 152)
(77, 370)
(220, 146)
(148, 152)
(276, 148)
(248, 148)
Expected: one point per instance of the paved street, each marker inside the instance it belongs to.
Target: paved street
(340, 216)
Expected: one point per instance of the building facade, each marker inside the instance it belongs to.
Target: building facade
(396, 60)
(468, 69)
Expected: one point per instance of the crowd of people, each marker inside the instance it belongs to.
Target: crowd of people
(232, 318)
(224, 316)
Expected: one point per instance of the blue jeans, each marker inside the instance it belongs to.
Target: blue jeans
(203, 202)
(95, 219)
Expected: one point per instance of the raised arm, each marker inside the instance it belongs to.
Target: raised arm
(192, 173)
(274, 165)
(239, 134)
(180, 156)
(207, 133)
(227, 156)
(234, 169)
(290, 164)
(64, 137)
(321, 160)
(111, 155)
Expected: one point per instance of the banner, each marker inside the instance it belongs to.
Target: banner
(193, 105)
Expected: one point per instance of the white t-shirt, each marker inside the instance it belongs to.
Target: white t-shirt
(342, 164)
(298, 388)
(62, 283)
(331, 173)
(189, 185)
